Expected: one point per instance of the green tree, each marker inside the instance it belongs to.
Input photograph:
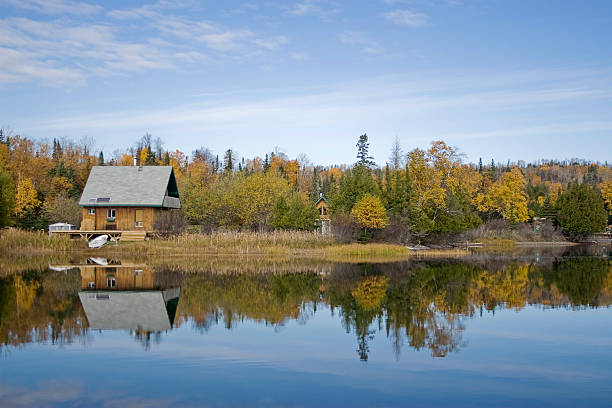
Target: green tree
(292, 212)
(7, 199)
(354, 184)
(150, 159)
(581, 211)
(581, 279)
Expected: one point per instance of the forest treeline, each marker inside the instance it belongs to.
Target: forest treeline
(415, 196)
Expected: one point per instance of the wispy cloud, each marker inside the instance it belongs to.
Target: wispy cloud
(318, 8)
(272, 43)
(382, 96)
(54, 6)
(67, 51)
(406, 17)
(422, 108)
(299, 56)
(358, 38)
(61, 53)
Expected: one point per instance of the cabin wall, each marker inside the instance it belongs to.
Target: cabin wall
(323, 210)
(88, 222)
(125, 278)
(125, 218)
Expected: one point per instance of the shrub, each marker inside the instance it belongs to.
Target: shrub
(344, 228)
(171, 222)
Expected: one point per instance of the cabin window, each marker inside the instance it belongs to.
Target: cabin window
(139, 218)
(110, 281)
(110, 214)
(91, 211)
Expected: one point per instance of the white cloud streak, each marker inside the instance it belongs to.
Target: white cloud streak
(54, 6)
(406, 17)
(358, 38)
(367, 99)
(318, 8)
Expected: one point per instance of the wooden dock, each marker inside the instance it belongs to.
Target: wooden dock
(122, 235)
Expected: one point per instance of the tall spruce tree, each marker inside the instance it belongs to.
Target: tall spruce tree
(363, 157)
(580, 211)
(228, 161)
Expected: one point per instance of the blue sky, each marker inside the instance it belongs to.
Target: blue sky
(507, 80)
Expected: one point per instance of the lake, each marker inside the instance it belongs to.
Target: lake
(525, 328)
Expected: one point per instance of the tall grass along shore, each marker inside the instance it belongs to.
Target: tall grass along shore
(276, 243)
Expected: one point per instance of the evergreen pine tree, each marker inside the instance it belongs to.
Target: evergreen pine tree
(580, 211)
(316, 187)
(266, 164)
(228, 161)
(363, 158)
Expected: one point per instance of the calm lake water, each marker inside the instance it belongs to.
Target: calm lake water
(531, 328)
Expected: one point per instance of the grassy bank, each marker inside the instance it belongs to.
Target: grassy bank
(226, 243)
(279, 244)
(16, 241)
(376, 252)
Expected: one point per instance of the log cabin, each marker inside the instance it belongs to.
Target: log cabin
(127, 198)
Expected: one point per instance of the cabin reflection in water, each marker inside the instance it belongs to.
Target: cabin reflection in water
(116, 297)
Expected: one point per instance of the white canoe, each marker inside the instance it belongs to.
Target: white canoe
(98, 241)
(99, 261)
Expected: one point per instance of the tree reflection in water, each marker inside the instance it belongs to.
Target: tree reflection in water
(422, 304)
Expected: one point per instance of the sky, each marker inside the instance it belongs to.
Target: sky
(499, 79)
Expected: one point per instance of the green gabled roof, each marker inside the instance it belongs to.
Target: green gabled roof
(138, 186)
(321, 199)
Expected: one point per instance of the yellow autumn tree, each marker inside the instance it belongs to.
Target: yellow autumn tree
(426, 181)
(371, 292)
(292, 167)
(606, 192)
(60, 185)
(370, 212)
(252, 198)
(126, 160)
(27, 197)
(507, 197)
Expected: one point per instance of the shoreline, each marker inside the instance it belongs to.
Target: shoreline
(294, 244)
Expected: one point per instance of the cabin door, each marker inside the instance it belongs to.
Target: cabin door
(139, 218)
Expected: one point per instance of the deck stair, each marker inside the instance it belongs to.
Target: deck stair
(133, 235)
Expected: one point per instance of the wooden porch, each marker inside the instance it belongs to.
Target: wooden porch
(126, 235)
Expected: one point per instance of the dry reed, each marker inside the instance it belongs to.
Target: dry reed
(15, 241)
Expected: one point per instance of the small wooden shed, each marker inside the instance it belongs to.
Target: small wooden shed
(324, 219)
(323, 208)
